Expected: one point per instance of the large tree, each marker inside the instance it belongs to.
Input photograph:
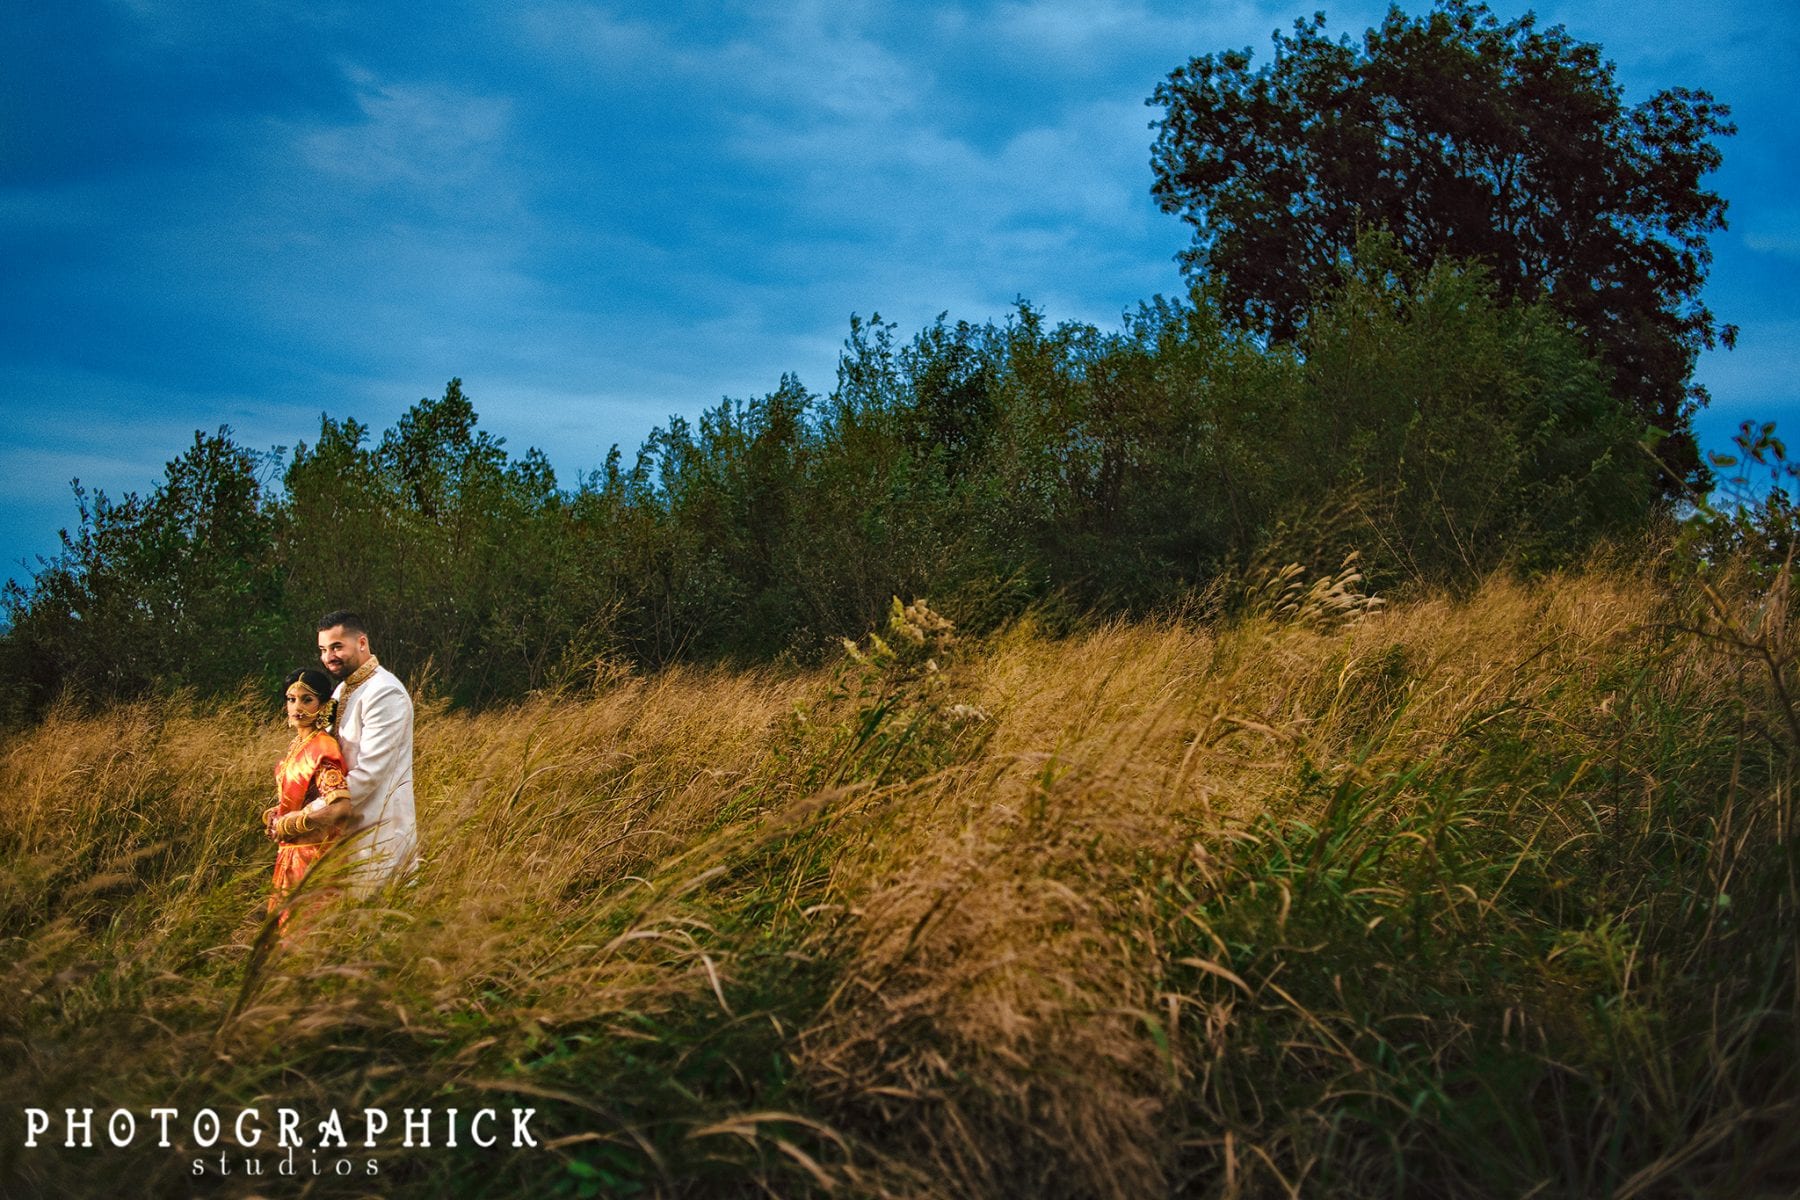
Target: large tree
(1463, 137)
(151, 592)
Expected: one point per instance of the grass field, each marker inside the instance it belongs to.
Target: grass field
(1483, 896)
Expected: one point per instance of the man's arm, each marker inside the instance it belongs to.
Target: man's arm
(383, 753)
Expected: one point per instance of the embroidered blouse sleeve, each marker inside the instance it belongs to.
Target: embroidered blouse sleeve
(329, 781)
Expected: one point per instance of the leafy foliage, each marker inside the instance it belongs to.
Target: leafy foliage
(1421, 421)
(143, 586)
(1464, 432)
(1463, 137)
(1751, 522)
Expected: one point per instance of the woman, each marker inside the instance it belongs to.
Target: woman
(311, 800)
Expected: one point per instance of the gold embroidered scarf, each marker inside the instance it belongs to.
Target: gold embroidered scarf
(357, 678)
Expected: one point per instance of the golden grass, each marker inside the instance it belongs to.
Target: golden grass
(1046, 938)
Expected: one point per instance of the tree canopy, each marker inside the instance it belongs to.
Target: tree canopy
(1418, 419)
(1462, 137)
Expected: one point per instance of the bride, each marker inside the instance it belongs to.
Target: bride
(311, 799)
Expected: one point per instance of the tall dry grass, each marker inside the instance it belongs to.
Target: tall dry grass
(1486, 897)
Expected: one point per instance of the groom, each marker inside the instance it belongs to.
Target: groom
(375, 728)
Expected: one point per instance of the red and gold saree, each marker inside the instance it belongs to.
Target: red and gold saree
(312, 769)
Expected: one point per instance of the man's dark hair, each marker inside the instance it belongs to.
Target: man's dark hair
(352, 623)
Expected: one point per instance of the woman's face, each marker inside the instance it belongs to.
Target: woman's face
(302, 706)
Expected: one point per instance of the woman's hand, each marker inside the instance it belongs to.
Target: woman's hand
(289, 826)
(317, 822)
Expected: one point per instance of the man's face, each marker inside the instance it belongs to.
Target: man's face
(342, 652)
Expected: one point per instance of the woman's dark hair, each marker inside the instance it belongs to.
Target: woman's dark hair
(313, 678)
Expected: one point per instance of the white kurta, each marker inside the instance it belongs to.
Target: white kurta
(375, 728)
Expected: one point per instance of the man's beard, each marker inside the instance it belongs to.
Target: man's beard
(340, 672)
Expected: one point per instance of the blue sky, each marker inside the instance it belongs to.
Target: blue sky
(598, 215)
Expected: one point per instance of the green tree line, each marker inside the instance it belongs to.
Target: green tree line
(1418, 418)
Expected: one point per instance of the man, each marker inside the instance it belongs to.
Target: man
(374, 727)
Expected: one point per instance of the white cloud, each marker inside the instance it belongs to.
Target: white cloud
(812, 57)
(879, 179)
(1007, 213)
(414, 135)
(1781, 242)
(1088, 38)
(592, 33)
(114, 449)
(825, 63)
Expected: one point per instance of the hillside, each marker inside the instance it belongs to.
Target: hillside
(1487, 896)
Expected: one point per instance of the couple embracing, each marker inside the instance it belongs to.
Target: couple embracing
(347, 776)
